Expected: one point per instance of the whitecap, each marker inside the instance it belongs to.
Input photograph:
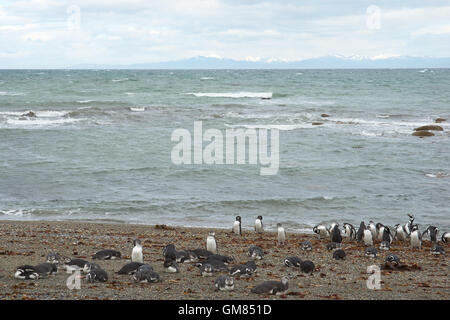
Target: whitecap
(5, 93)
(119, 80)
(32, 122)
(265, 95)
(16, 212)
(84, 101)
(207, 78)
(137, 109)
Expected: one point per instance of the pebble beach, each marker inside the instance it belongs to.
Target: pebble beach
(424, 276)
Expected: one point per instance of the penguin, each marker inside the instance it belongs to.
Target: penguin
(224, 259)
(387, 235)
(432, 232)
(306, 245)
(370, 252)
(259, 227)
(130, 268)
(144, 267)
(224, 283)
(336, 235)
(251, 265)
(211, 244)
(201, 253)
(26, 272)
(182, 256)
(333, 224)
(307, 266)
(367, 237)
(385, 245)
(255, 252)
(400, 232)
(333, 246)
(97, 275)
(191, 256)
(292, 262)
(321, 231)
(206, 270)
(74, 264)
(281, 234)
(216, 264)
(380, 230)
(373, 229)
(169, 252)
(409, 224)
(237, 226)
(45, 269)
(146, 276)
(107, 254)
(349, 231)
(136, 253)
(339, 254)
(360, 233)
(88, 267)
(272, 287)
(436, 249)
(241, 270)
(445, 237)
(415, 237)
(393, 259)
(55, 258)
(171, 266)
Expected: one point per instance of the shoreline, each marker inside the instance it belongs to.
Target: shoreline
(29, 242)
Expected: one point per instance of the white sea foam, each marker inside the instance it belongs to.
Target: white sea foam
(32, 122)
(266, 95)
(137, 109)
(5, 93)
(16, 212)
(84, 101)
(207, 78)
(119, 80)
(281, 127)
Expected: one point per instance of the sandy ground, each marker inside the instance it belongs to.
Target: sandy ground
(29, 242)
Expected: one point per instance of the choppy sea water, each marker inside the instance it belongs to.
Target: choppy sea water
(99, 147)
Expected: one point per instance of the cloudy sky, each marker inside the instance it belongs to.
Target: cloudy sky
(58, 33)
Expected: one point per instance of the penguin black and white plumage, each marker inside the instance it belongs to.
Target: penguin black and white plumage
(26, 272)
(409, 224)
(437, 249)
(169, 252)
(255, 252)
(385, 245)
(339, 254)
(206, 270)
(306, 245)
(336, 235)
(75, 264)
(88, 267)
(380, 231)
(145, 267)
(333, 246)
(97, 275)
(415, 237)
(241, 270)
(237, 226)
(432, 232)
(211, 243)
(218, 265)
(330, 229)
(400, 232)
(349, 231)
(55, 258)
(322, 231)
(46, 269)
(367, 237)
(224, 283)
(370, 252)
(281, 234)
(146, 276)
(107, 254)
(130, 268)
(252, 265)
(393, 259)
(259, 227)
(171, 266)
(136, 253)
(360, 232)
(272, 287)
(292, 262)
(307, 266)
(445, 237)
(224, 259)
(373, 229)
(201, 253)
(387, 235)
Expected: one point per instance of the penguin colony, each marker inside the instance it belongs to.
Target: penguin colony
(210, 263)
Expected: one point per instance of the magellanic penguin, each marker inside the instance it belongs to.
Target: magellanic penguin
(380, 231)
(360, 233)
(55, 258)
(211, 244)
(445, 237)
(393, 259)
(387, 235)
(206, 270)
(171, 266)
(95, 275)
(281, 234)
(237, 226)
(107, 254)
(272, 287)
(416, 237)
(370, 252)
(241, 270)
(339, 254)
(367, 237)
(321, 231)
(146, 276)
(336, 234)
(400, 232)
(136, 253)
(259, 227)
(130, 268)
(255, 252)
(224, 283)
(436, 249)
(307, 266)
(373, 229)
(385, 245)
(432, 232)
(306, 245)
(408, 225)
(169, 252)
(349, 231)
(26, 272)
(292, 262)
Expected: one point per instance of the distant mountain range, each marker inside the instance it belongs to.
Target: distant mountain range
(329, 62)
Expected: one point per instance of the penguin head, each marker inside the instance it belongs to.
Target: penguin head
(238, 218)
(212, 233)
(414, 227)
(278, 225)
(260, 218)
(136, 242)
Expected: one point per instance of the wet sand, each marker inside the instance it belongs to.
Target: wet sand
(30, 242)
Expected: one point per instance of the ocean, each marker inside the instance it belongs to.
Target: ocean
(99, 146)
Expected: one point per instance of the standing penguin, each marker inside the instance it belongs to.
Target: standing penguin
(321, 231)
(367, 237)
(445, 237)
(281, 234)
(408, 225)
(387, 235)
(259, 228)
(432, 232)
(400, 232)
(336, 235)
(211, 244)
(237, 226)
(380, 231)
(360, 233)
(373, 229)
(349, 231)
(416, 237)
(136, 253)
